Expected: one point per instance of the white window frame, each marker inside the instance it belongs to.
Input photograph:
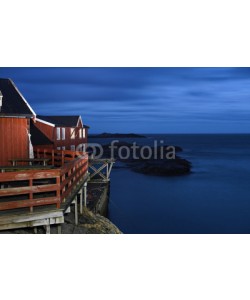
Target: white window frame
(58, 148)
(80, 133)
(83, 133)
(73, 148)
(63, 147)
(58, 133)
(63, 133)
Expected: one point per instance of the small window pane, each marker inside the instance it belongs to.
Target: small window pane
(63, 133)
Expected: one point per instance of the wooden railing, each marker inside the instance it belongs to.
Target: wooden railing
(28, 188)
(71, 174)
(57, 157)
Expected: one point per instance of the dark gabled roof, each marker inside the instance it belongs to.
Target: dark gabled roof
(38, 137)
(67, 121)
(13, 103)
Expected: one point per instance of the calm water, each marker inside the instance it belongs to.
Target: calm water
(215, 198)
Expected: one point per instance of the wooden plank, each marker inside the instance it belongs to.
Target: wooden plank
(29, 189)
(29, 174)
(29, 203)
(28, 217)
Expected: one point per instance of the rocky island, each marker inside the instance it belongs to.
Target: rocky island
(106, 135)
(160, 161)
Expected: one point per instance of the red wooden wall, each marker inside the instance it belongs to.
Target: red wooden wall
(14, 141)
(46, 129)
(50, 132)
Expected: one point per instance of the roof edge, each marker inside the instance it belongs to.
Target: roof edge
(45, 122)
(25, 101)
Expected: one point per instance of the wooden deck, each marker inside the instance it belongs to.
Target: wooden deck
(39, 196)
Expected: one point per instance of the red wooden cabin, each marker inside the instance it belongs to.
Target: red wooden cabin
(34, 191)
(15, 116)
(60, 133)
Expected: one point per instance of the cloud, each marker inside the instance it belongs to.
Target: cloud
(144, 97)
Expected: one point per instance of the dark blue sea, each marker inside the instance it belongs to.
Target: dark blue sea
(214, 198)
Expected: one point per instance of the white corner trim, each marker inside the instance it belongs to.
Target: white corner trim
(45, 122)
(25, 101)
(79, 120)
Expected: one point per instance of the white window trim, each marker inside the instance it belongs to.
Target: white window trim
(58, 133)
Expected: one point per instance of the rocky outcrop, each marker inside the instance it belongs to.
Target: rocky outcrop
(89, 223)
(158, 161)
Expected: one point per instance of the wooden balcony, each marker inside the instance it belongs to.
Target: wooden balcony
(32, 187)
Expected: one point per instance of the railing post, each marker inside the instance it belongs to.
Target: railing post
(58, 191)
(62, 157)
(53, 157)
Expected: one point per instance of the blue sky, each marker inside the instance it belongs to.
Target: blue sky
(142, 100)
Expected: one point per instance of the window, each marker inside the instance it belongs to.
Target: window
(80, 133)
(58, 136)
(58, 148)
(72, 133)
(72, 148)
(83, 133)
(63, 133)
(63, 148)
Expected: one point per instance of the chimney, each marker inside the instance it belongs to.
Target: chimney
(1, 100)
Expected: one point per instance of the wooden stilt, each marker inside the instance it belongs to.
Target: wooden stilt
(47, 226)
(76, 212)
(85, 194)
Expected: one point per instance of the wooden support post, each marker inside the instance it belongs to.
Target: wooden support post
(85, 194)
(81, 200)
(35, 229)
(76, 212)
(47, 227)
(59, 228)
(62, 158)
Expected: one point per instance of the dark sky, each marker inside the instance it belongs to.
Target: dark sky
(143, 100)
